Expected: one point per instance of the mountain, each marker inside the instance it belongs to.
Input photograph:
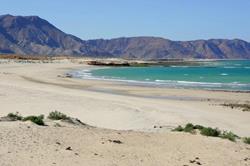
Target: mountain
(31, 35)
(158, 48)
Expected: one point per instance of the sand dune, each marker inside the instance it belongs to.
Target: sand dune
(27, 144)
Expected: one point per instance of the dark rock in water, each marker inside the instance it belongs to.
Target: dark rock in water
(100, 63)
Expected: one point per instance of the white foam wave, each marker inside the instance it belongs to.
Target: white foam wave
(86, 74)
(229, 67)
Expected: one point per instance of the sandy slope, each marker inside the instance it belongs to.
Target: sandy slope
(26, 144)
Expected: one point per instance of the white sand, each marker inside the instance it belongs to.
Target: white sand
(26, 144)
(34, 89)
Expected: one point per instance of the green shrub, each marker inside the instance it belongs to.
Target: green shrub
(189, 128)
(246, 140)
(229, 135)
(179, 128)
(35, 119)
(208, 131)
(15, 116)
(199, 127)
(56, 115)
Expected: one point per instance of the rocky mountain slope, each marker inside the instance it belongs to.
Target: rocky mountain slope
(32, 35)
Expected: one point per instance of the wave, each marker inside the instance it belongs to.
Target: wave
(86, 74)
(230, 67)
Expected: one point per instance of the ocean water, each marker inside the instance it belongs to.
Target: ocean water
(217, 75)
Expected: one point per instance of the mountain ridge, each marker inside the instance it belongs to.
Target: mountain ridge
(32, 35)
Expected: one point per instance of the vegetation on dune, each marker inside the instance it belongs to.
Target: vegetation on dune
(39, 120)
(35, 119)
(14, 116)
(190, 128)
(207, 131)
(243, 107)
(56, 115)
(246, 140)
(229, 135)
(179, 128)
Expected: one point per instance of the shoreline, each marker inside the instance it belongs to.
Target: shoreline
(115, 105)
(122, 124)
(168, 84)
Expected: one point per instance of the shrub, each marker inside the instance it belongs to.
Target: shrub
(212, 132)
(229, 135)
(15, 116)
(199, 127)
(246, 140)
(208, 131)
(35, 119)
(189, 128)
(179, 128)
(244, 107)
(56, 115)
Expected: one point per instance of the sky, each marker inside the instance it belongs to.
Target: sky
(171, 19)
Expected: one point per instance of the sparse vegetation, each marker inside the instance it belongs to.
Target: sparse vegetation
(56, 115)
(14, 116)
(243, 107)
(207, 131)
(246, 140)
(35, 119)
(179, 128)
(229, 135)
(199, 127)
(190, 128)
(39, 120)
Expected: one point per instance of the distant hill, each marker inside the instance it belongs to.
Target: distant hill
(32, 35)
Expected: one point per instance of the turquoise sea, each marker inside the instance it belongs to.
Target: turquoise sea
(216, 75)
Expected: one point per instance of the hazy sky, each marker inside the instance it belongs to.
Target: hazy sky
(172, 19)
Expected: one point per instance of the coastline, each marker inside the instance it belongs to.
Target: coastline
(160, 83)
(127, 124)
(116, 105)
(202, 81)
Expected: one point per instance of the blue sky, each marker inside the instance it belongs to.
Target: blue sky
(172, 19)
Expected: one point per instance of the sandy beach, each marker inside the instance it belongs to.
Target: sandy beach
(144, 117)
